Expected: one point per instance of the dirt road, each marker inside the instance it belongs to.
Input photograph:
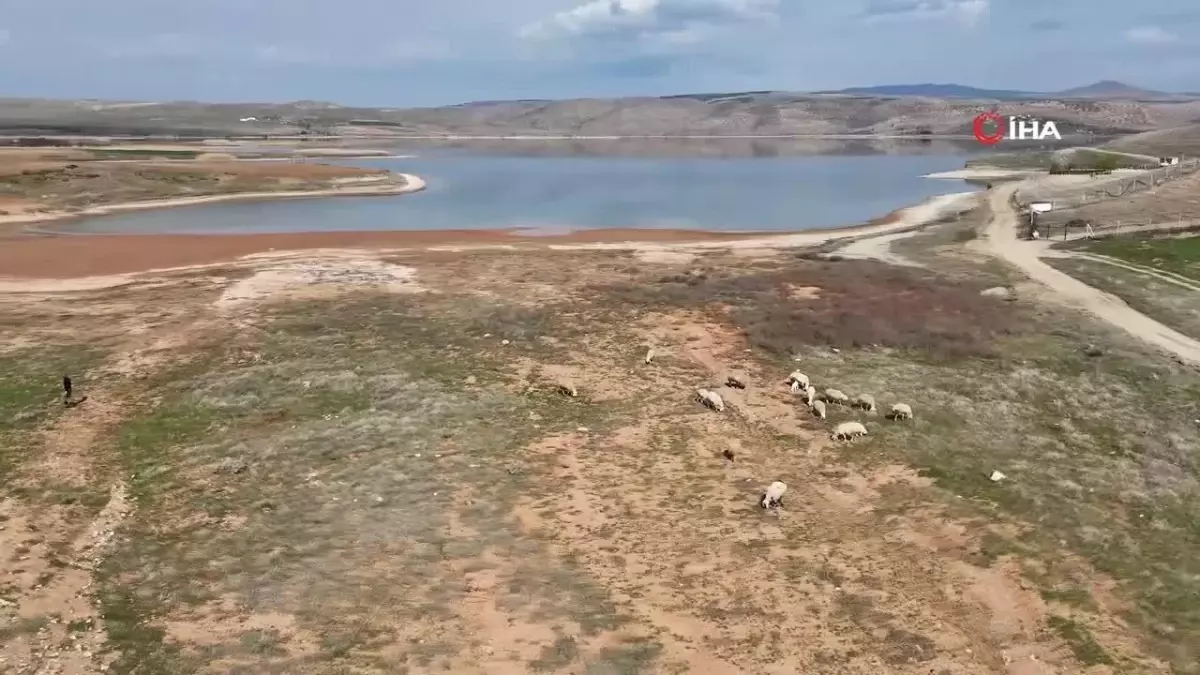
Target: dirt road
(1000, 239)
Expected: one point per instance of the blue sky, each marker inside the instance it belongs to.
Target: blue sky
(430, 52)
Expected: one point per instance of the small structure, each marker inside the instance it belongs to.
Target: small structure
(1168, 161)
(1034, 209)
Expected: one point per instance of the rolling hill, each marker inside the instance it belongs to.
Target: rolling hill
(1104, 90)
(880, 111)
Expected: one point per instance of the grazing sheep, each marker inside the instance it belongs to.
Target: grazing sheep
(728, 454)
(649, 355)
(864, 401)
(567, 389)
(901, 411)
(818, 408)
(848, 430)
(773, 497)
(711, 399)
(736, 380)
(810, 394)
(798, 380)
(835, 396)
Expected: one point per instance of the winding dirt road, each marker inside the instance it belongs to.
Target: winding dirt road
(1000, 239)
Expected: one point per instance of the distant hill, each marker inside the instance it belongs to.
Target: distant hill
(902, 110)
(931, 91)
(1110, 90)
(1104, 90)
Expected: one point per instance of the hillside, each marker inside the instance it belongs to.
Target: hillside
(934, 91)
(1172, 142)
(1104, 90)
(1111, 90)
(736, 114)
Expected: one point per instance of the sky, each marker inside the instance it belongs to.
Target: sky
(409, 53)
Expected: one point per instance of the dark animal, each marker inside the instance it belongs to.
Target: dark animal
(728, 454)
(66, 390)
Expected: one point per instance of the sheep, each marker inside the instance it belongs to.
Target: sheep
(795, 387)
(567, 389)
(798, 380)
(835, 396)
(864, 401)
(773, 497)
(736, 380)
(901, 411)
(810, 394)
(649, 355)
(711, 399)
(848, 430)
(818, 408)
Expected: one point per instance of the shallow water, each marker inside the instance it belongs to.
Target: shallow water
(558, 194)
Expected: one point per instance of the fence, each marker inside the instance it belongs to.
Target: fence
(1126, 186)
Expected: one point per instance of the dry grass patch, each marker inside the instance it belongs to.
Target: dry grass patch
(847, 304)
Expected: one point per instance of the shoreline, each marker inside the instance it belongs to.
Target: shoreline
(412, 183)
(983, 173)
(52, 256)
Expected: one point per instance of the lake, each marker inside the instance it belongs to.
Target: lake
(552, 194)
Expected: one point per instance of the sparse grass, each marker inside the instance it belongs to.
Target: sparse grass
(142, 153)
(632, 658)
(1081, 641)
(357, 433)
(1179, 255)
(1169, 303)
(31, 396)
(855, 304)
(1100, 452)
(22, 626)
(1080, 458)
(374, 456)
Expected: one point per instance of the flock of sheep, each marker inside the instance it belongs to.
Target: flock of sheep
(801, 385)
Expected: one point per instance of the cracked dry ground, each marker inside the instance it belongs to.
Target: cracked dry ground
(284, 468)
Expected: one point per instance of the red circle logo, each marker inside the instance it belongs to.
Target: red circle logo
(981, 133)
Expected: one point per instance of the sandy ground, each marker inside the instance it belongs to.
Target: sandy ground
(1000, 238)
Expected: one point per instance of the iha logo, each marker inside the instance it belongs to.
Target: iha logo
(991, 128)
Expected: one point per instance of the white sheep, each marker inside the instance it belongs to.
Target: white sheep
(568, 389)
(818, 408)
(798, 380)
(901, 411)
(848, 430)
(649, 355)
(836, 396)
(773, 497)
(864, 401)
(810, 394)
(711, 399)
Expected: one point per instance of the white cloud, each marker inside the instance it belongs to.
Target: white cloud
(1149, 35)
(671, 21)
(967, 12)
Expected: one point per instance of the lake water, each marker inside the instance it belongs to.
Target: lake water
(556, 194)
